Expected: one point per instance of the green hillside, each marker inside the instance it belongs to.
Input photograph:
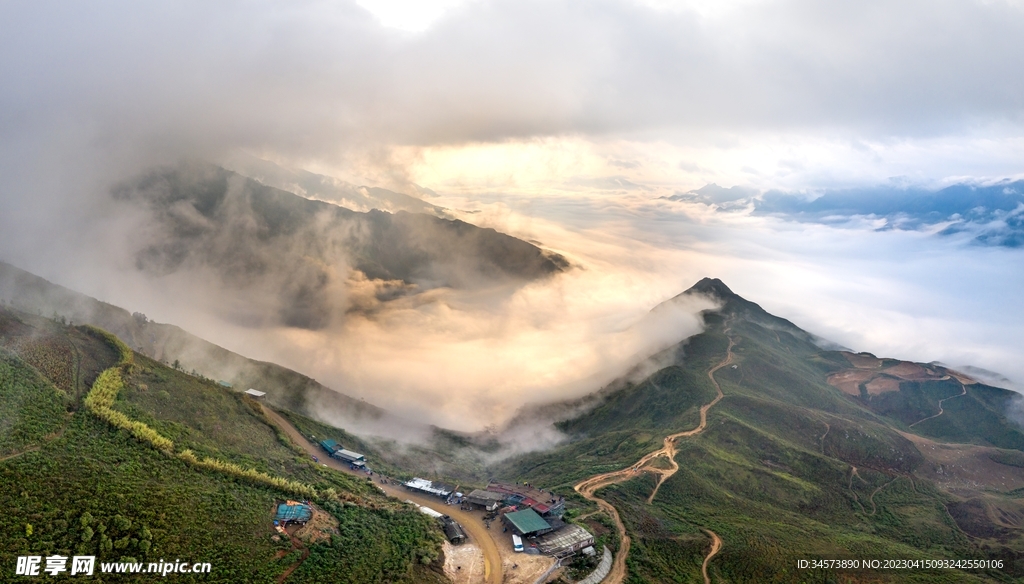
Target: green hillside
(253, 237)
(73, 483)
(789, 467)
(168, 344)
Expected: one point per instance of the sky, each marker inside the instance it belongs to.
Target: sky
(573, 124)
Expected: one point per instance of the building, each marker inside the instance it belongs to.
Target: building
(353, 458)
(254, 394)
(546, 503)
(430, 487)
(565, 542)
(453, 531)
(526, 523)
(335, 450)
(330, 446)
(486, 500)
(430, 512)
(293, 512)
(223, 383)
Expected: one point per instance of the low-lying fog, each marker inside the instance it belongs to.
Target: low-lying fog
(562, 123)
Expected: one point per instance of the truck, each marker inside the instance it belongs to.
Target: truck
(517, 543)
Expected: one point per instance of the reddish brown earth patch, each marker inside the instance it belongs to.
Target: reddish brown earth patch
(863, 361)
(882, 384)
(912, 372)
(849, 381)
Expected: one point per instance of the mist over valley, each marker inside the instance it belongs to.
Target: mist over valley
(512, 292)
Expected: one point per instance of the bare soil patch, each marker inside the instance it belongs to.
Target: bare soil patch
(528, 567)
(912, 372)
(319, 528)
(464, 564)
(863, 361)
(965, 469)
(849, 381)
(882, 384)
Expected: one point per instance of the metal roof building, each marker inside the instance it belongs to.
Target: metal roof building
(254, 393)
(431, 512)
(453, 531)
(565, 541)
(348, 455)
(487, 499)
(423, 485)
(544, 502)
(526, 522)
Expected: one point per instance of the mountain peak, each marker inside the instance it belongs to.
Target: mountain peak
(712, 287)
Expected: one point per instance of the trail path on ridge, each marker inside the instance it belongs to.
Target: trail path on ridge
(963, 392)
(588, 487)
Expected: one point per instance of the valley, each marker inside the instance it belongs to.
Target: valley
(749, 448)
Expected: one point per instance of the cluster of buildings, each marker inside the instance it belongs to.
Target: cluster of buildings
(533, 515)
(355, 460)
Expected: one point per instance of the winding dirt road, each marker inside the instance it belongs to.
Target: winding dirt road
(473, 526)
(589, 486)
(716, 546)
(963, 392)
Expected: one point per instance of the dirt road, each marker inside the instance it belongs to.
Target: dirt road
(716, 546)
(588, 487)
(963, 391)
(477, 533)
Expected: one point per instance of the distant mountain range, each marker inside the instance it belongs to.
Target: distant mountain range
(289, 259)
(993, 214)
(326, 188)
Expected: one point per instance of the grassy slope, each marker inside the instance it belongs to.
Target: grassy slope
(96, 490)
(772, 474)
(30, 414)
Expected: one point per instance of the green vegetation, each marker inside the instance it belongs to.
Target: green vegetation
(100, 488)
(30, 407)
(788, 467)
(375, 546)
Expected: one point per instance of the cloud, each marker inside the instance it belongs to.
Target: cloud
(525, 112)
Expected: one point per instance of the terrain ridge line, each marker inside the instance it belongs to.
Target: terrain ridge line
(588, 487)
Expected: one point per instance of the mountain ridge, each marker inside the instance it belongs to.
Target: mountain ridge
(792, 463)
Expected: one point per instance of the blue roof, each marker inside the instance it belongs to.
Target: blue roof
(293, 512)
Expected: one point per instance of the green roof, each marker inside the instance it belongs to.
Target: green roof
(527, 521)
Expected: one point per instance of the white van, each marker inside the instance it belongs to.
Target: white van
(517, 543)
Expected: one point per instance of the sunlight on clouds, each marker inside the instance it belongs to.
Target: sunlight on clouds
(574, 164)
(409, 15)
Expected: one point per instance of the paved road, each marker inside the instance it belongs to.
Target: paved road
(477, 533)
